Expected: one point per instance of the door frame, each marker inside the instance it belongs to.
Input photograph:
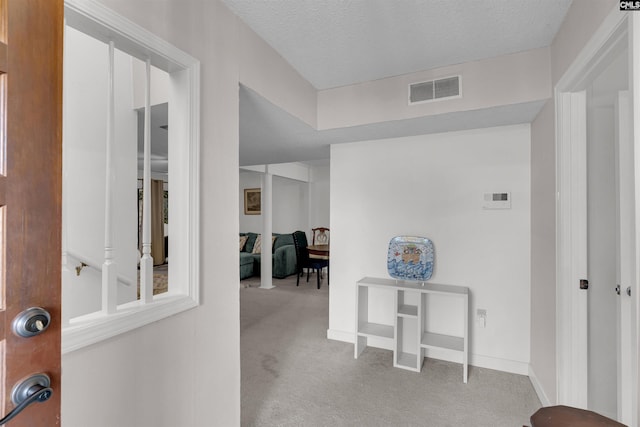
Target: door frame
(571, 313)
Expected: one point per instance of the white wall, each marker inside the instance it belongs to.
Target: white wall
(582, 19)
(174, 372)
(182, 377)
(319, 196)
(290, 204)
(267, 73)
(602, 224)
(297, 205)
(504, 80)
(433, 186)
(85, 99)
(159, 84)
(543, 255)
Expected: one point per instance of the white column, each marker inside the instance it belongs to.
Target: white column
(266, 280)
(109, 270)
(146, 262)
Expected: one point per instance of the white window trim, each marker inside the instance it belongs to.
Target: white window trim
(103, 24)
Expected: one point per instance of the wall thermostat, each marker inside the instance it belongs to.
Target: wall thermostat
(497, 201)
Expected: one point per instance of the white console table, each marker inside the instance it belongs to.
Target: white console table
(404, 314)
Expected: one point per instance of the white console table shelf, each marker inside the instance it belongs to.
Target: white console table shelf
(405, 314)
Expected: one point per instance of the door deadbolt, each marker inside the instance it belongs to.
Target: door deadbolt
(31, 322)
(617, 288)
(629, 291)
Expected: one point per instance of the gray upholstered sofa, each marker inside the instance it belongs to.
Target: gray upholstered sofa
(283, 258)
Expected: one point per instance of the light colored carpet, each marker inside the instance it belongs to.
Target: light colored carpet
(292, 375)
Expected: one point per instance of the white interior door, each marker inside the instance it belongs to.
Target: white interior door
(608, 215)
(573, 282)
(625, 264)
(571, 247)
(603, 247)
(598, 183)
(611, 246)
(631, 393)
(603, 251)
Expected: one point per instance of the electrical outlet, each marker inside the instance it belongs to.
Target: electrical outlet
(481, 317)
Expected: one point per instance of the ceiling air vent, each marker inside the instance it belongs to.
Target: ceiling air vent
(447, 87)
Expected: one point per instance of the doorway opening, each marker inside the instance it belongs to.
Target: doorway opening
(596, 332)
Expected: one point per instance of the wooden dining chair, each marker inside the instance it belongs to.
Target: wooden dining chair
(320, 236)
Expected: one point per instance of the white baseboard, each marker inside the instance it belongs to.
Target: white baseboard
(498, 364)
(544, 399)
(504, 365)
(343, 336)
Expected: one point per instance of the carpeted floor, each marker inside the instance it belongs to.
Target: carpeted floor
(292, 375)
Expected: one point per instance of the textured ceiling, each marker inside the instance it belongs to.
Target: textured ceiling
(340, 42)
(333, 43)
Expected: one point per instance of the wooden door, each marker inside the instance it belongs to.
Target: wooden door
(31, 32)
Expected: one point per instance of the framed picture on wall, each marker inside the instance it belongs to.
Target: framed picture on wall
(252, 201)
